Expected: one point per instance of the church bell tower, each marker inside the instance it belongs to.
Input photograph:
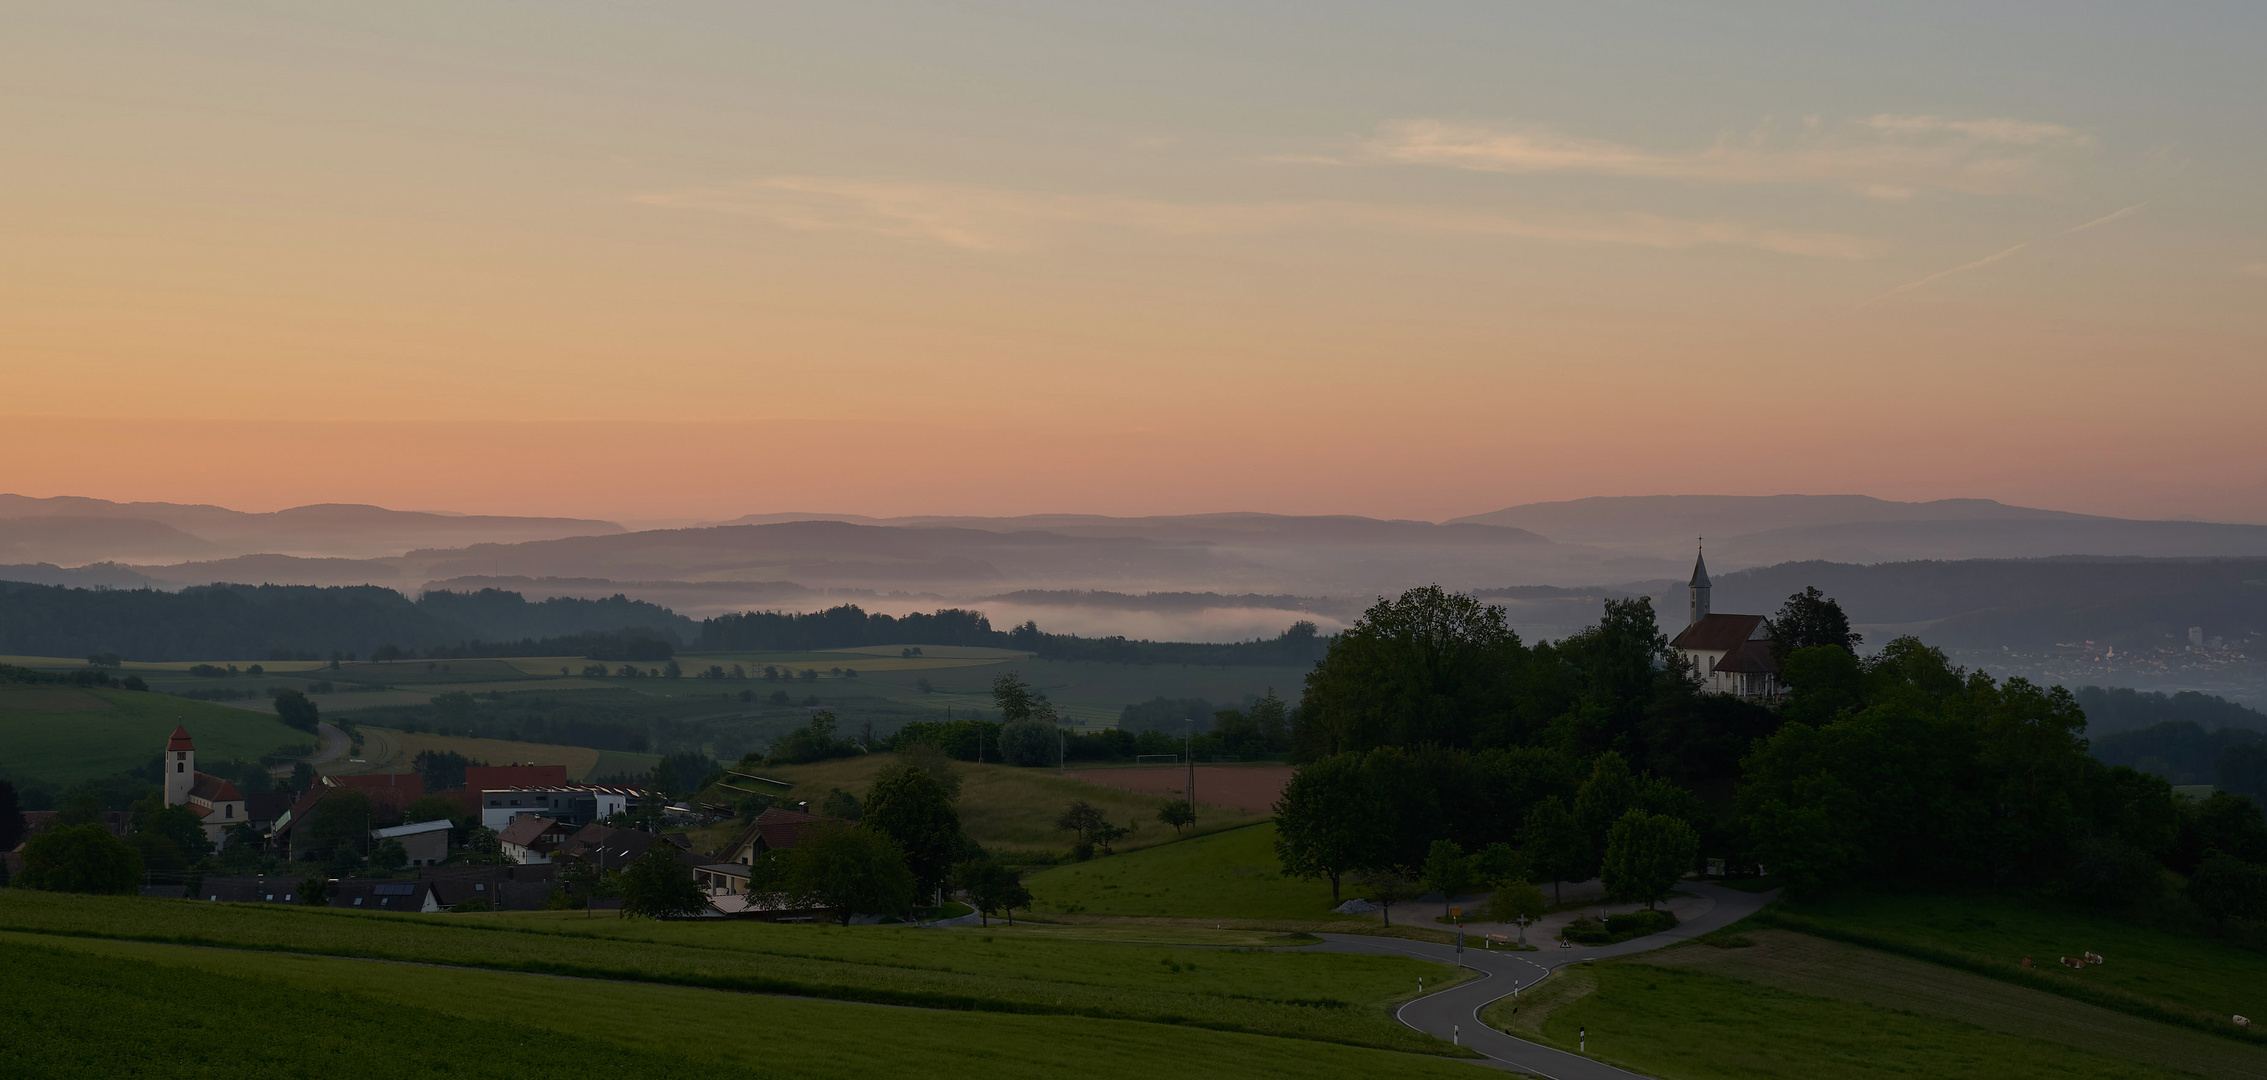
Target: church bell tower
(1699, 587)
(180, 767)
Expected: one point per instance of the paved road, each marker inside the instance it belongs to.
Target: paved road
(1455, 1012)
(335, 746)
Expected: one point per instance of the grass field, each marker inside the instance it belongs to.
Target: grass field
(1683, 1023)
(1226, 875)
(1014, 809)
(2150, 973)
(62, 735)
(1317, 996)
(71, 998)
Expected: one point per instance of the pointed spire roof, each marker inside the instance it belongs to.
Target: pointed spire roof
(1700, 571)
(179, 741)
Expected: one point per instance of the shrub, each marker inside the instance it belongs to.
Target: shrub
(81, 859)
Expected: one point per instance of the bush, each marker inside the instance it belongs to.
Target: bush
(80, 859)
(1590, 931)
(1028, 742)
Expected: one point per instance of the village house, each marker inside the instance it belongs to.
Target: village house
(574, 804)
(531, 838)
(384, 894)
(425, 842)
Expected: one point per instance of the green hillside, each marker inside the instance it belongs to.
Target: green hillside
(59, 735)
(1228, 875)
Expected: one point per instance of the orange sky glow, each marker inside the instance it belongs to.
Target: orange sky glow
(575, 259)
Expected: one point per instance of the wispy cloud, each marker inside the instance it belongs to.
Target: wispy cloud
(1885, 156)
(1005, 220)
(1998, 255)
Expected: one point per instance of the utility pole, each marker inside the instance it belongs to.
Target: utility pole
(1188, 753)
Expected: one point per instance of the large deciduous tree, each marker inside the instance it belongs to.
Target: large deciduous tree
(659, 886)
(80, 859)
(1645, 856)
(909, 806)
(1811, 618)
(1326, 824)
(1430, 667)
(848, 869)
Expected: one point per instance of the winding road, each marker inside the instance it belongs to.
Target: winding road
(1454, 1013)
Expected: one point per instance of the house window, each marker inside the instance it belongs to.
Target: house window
(228, 811)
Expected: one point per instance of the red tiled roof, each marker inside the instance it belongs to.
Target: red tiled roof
(783, 829)
(200, 811)
(527, 830)
(1719, 633)
(180, 740)
(214, 789)
(1751, 656)
(414, 783)
(478, 777)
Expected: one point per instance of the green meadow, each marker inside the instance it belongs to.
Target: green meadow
(61, 735)
(1300, 995)
(1225, 875)
(196, 1012)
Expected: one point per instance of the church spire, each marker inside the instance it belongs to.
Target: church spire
(1700, 587)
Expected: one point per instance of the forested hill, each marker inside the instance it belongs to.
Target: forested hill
(254, 622)
(849, 626)
(310, 622)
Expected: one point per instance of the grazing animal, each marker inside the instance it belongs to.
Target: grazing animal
(2028, 965)
(2093, 958)
(2073, 962)
(2243, 1022)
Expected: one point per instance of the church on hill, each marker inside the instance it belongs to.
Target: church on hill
(1731, 653)
(210, 797)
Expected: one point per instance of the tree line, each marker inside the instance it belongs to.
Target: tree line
(1430, 722)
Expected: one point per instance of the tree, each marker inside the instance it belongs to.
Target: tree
(1028, 742)
(302, 777)
(1558, 844)
(314, 890)
(991, 886)
(1447, 871)
(342, 818)
(1431, 666)
(433, 808)
(847, 869)
(1086, 821)
(911, 808)
(11, 817)
(1609, 792)
(1646, 854)
(183, 828)
(1178, 814)
(483, 847)
(2226, 887)
(1390, 886)
(389, 854)
(658, 886)
(80, 859)
(841, 804)
(294, 708)
(1499, 863)
(1811, 618)
(161, 858)
(1325, 825)
(1517, 902)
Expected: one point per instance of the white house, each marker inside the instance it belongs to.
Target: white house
(427, 842)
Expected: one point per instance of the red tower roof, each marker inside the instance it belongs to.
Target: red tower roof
(179, 741)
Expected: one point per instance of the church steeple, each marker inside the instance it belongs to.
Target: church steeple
(1700, 587)
(180, 767)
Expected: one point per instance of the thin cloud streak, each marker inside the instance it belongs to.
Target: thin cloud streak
(1886, 156)
(1005, 221)
(1997, 256)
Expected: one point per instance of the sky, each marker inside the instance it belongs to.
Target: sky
(677, 260)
